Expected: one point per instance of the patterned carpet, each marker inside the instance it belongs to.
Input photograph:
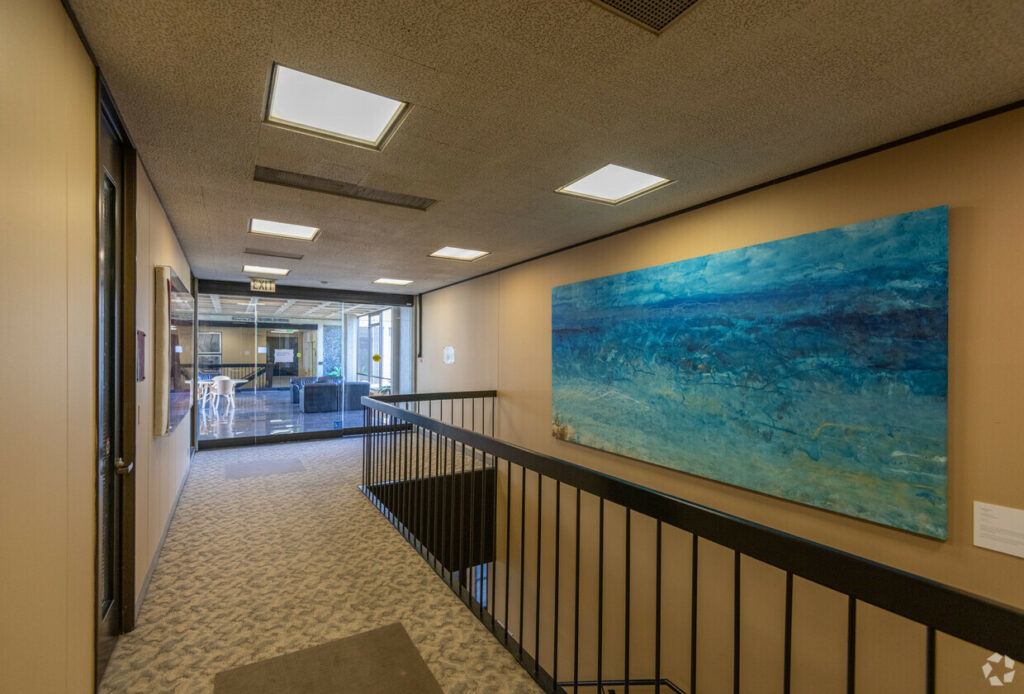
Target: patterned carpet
(268, 563)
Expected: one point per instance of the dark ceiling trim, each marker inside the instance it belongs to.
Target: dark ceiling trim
(291, 179)
(311, 293)
(775, 181)
(270, 324)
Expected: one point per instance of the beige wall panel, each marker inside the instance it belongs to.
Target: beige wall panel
(762, 627)
(714, 618)
(891, 652)
(143, 389)
(162, 462)
(235, 342)
(677, 552)
(466, 318)
(975, 169)
(819, 639)
(958, 668)
(80, 95)
(47, 256)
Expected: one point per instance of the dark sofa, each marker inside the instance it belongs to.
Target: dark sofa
(298, 383)
(325, 393)
(320, 397)
(354, 392)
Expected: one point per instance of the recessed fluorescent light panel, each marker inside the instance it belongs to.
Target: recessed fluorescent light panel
(453, 253)
(386, 280)
(613, 184)
(261, 270)
(313, 104)
(288, 231)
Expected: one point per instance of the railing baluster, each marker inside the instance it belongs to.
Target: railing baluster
(600, 593)
(522, 556)
(558, 563)
(451, 528)
(787, 662)
(693, 615)
(508, 535)
(736, 624)
(929, 684)
(851, 645)
(436, 497)
(629, 562)
(485, 574)
(536, 581)
(576, 604)
(407, 481)
(657, 611)
(472, 524)
(492, 571)
(462, 519)
(401, 478)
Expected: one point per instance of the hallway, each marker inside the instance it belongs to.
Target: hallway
(273, 549)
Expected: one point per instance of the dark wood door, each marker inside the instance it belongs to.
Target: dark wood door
(109, 458)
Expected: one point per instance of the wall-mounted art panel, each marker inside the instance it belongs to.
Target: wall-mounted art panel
(813, 368)
(173, 370)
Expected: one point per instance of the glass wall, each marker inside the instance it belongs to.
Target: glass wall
(273, 366)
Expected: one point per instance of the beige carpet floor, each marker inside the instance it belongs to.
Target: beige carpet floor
(260, 565)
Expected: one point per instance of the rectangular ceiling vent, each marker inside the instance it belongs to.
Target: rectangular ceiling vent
(653, 15)
(332, 187)
(273, 254)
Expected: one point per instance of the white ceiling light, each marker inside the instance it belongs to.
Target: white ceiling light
(453, 253)
(288, 231)
(261, 270)
(313, 104)
(386, 280)
(613, 184)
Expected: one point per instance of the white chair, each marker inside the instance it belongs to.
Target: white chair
(222, 386)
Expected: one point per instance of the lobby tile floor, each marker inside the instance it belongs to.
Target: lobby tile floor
(267, 412)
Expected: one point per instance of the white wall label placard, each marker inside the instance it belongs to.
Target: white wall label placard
(284, 356)
(999, 527)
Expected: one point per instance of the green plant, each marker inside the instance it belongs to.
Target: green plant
(336, 371)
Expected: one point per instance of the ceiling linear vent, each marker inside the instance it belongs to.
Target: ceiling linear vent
(291, 179)
(273, 254)
(653, 15)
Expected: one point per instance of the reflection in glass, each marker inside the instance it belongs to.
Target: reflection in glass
(298, 365)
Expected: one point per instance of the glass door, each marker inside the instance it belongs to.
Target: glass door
(300, 366)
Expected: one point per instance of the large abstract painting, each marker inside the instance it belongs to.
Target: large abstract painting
(813, 368)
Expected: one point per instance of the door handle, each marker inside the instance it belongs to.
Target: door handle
(122, 468)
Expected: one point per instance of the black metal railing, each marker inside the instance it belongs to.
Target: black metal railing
(594, 583)
(254, 375)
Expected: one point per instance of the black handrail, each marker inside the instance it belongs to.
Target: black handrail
(969, 617)
(424, 397)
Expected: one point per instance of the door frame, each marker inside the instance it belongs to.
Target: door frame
(124, 395)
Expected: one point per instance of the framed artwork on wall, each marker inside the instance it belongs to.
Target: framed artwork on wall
(813, 368)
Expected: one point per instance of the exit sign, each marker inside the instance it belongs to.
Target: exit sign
(259, 284)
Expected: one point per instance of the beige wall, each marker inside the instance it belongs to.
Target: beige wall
(162, 462)
(977, 170)
(466, 317)
(48, 417)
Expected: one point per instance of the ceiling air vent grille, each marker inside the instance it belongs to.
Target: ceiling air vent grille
(654, 15)
(333, 187)
(273, 254)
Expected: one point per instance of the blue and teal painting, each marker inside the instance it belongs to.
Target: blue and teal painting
(811, 368)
